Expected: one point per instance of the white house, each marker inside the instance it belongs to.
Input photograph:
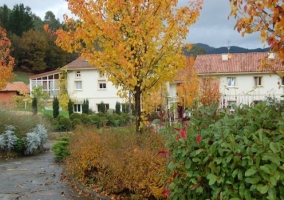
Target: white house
(242, 81)
(83, 82)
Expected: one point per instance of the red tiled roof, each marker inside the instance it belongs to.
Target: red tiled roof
(79, 63)
(238, 63)
(17, 86)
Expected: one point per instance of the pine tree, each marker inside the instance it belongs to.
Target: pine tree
(70, 107)
(55, 107)
(34, 105)
(117, 108)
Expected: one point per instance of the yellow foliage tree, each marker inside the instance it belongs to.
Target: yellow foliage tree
(265, 17)
(209, 90)
(137, 43)
(188, 89)
(6, 60)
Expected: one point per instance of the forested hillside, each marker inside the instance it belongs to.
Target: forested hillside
(33, 48)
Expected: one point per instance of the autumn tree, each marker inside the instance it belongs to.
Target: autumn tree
(263, 16)
(6, 60)
(188, 88)
(137, 43)
(209, 90)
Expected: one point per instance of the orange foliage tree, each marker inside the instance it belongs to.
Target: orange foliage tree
(188, 89)
(137, 43)
(264, 16)
(6, 60)
(209, 90)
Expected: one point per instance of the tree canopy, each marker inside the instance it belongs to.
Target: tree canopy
(6, 60)
(263, 16)
(137, 43)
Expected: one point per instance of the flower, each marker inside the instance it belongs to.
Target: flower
(166, 192)
(182, 133)
(198, 138)
(164, 153)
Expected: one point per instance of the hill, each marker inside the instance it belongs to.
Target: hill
(233, 49)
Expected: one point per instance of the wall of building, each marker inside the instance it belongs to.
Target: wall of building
(91, 80)
(6, 97)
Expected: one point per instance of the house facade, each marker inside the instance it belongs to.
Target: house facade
(84, 82)
(241, 78)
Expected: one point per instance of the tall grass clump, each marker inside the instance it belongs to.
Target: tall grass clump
(22, 123)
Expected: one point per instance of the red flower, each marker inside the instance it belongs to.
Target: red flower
(166, 192)
(164, 153)
(182, 132)
(198, 138)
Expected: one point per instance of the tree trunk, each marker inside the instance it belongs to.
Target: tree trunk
(137, 97)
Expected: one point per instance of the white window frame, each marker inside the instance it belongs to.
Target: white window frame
(257, 81)
(77, 108)
(76, 88)
(78, 74)
(102, 82)
(231, 82)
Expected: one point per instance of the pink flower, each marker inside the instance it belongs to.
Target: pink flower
(182, 133)
(198, 138)
(164, 153)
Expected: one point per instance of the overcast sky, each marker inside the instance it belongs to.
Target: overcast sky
(212, 28)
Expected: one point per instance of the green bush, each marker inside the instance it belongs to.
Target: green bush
(85, 119)
(55, 106)
(229, 156)
(63, 124)
(60, 149)
(20, 145)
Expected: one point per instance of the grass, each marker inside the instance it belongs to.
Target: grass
(62, 112)
(21, 76)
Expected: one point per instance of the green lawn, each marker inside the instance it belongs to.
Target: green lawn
(62, 112)
(21, 76)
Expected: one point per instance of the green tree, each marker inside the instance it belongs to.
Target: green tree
(102, 107)
(52, 22)
(70, 107)
(34, 105)
(55, 105)
(41, 96)
(138, 40)
(117, 108)
(20, 20)
(4, 16)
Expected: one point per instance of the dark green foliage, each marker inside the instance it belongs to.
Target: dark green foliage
(62, 123)
(20, 20)
(85, 106)
(102, 107)
(34, 105)
(117, 108)
(55, 105)
(238, 156)
(20, 146)
(60, 149)
(85, 119)
(70, 107)
(113, 120)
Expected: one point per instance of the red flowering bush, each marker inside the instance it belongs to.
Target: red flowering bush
(225, 156)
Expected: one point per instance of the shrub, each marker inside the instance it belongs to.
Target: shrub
(32, 142)
(8, 139)
(85, 119)
(60, 149)
(97, 157)
(55, 106)
(34, 105)
(117, 108)
(63, 124)
(20, 145)
(225, 156)
(70, 107)
(75, 116)
(102, 107)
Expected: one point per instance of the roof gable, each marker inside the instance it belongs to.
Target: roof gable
(17, 86)
(79, 63)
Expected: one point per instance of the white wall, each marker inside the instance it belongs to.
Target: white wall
(90, 89)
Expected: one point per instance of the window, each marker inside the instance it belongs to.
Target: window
(102, 75)
(102, 85)
(106, 107)
(77, 108)
(78, 74)
(231, 81)
(282, 81)
(257, 81)
(78, 85)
